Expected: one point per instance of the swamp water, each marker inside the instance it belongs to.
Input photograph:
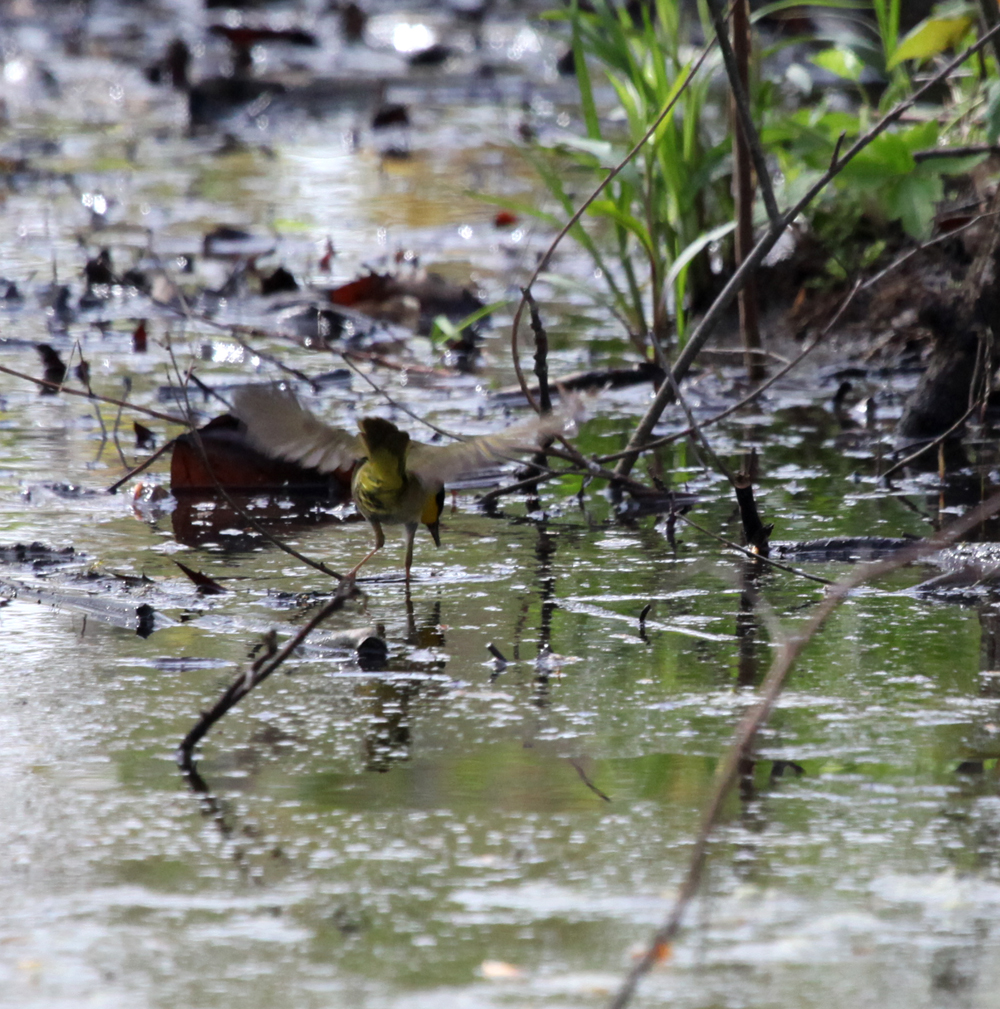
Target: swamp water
(432, 833)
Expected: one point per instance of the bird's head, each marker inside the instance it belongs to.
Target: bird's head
(385, 444)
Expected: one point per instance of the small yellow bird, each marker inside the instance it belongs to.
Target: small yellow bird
(396, 480)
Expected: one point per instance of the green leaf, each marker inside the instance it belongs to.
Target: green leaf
(444, 329)
(692, 250)
(608, 208)
(951, 166)
(872, 252)
(930, 37)
(602, 150)
(921, 136)
(841, 61)
(782, 5)
(888, 155)
(912, 200)
(587, 105)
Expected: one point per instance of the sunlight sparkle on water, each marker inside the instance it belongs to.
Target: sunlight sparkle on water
(410, 38)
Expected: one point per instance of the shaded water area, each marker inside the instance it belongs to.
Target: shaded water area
(430, 828)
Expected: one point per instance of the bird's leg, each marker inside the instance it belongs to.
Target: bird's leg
(379, 543)
(411, 531)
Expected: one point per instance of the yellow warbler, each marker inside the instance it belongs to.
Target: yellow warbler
(396, 481)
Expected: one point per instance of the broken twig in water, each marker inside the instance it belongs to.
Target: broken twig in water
(578, 767)
(256, 674)
(728, 770)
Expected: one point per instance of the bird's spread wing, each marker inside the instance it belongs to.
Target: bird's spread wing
(280, 427)
(439, 464)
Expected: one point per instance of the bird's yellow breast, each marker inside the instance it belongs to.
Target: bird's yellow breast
(386, 493)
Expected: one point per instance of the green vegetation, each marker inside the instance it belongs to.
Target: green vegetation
(650, 231)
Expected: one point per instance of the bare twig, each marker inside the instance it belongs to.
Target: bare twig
(259, 671)
(742, 103)
(578, 767)
(144, 465)
(927, 446)
(754, 556)
(755, 393)
(541, 354)
(58, 387)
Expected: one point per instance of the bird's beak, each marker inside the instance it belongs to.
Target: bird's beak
(435, 531)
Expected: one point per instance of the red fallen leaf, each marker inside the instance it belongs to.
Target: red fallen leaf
(504, 219)
(206, 586)
(415, 299)
(226, 458)
(374, 287)
(139, 337)
(662, 952)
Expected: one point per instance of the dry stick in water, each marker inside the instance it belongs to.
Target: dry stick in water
(58, 387)
(728, 771)
(121, 404)
(698, 338)
(539, 460)
(592, 467)
(749, 553)
(927, 446)
(144, 465)
(541, 354)
(257, 673)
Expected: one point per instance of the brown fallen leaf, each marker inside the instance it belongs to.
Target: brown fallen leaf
(224, 456)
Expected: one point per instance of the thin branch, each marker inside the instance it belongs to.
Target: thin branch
(755, 556)
(746, 122)
(256, 674)
(927, 446)
(754, 394)
(58, 387)
(728, 771)
(144, 465)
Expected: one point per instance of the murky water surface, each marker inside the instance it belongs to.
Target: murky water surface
(432, 833)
